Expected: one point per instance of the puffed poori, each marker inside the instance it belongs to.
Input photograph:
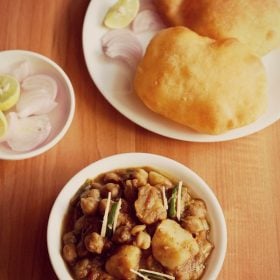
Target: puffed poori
(210, 86)
(255, 23)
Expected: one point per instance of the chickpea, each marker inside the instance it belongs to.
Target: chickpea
(158, 179)
(81, 269)
(102, 206)
(89, 205)
(142, 177)
(69, 238)
(79, 224)
(132, 183)
(94, 242)
(97, 186)
(130, 190)
(69, 253)
(81, 249)
(94, 193)
(111, 187)
(138, 229)
(111, 177)
(125, 220)
(143, 240)
(122, 234)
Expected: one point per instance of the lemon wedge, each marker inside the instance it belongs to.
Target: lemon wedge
(9, 92)
(3, 125)
(121, 14)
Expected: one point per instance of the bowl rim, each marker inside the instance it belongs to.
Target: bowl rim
(123, 160)
(71, 93)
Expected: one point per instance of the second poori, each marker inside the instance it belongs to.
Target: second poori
(255, 23)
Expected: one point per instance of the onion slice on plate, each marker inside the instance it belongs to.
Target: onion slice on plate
(40, 82)
(147, 20)
(27, 133)
(123, 45)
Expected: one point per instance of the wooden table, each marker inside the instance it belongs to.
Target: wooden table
(244, 173)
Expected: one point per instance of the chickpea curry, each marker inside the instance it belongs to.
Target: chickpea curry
(135, 223)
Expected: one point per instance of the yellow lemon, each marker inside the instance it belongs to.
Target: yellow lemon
(121, 14)
(3, 125)
(9, 92)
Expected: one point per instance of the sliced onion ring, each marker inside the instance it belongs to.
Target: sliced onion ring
(40, 82)
(37, 97)
(35, 103)
(27, 133)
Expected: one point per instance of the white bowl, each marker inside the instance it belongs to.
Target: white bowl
(61, 117)
(197, 187)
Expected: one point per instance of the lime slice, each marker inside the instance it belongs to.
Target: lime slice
(121, 14)
(9, 92)
(3, 125)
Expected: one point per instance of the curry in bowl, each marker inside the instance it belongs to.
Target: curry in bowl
(136, 223)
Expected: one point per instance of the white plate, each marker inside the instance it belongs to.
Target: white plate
(197, 187)
(113, 79)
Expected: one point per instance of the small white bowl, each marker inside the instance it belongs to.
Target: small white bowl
(197, 187)
(60, 118)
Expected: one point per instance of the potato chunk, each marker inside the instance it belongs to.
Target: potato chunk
(126, 258)
(172, 245)
(156, 178)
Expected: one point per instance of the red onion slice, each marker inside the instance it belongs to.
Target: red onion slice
(40, 82)
(147, 20)
(27, 133)
(35, 103)
(37, 97)
(122, 45)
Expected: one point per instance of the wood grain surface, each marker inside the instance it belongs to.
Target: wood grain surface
(244, 173)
